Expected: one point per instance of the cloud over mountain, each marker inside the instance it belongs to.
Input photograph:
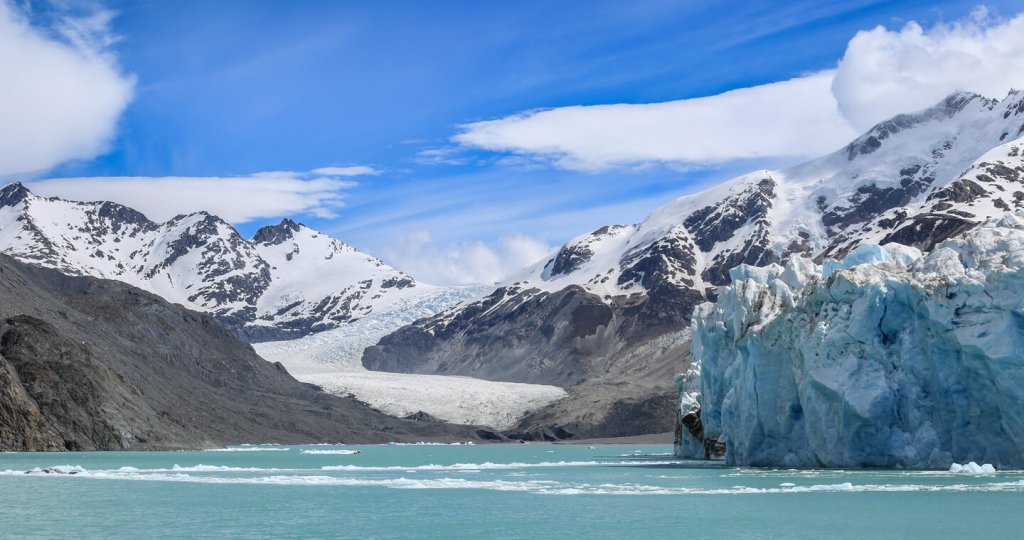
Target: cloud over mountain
(882, 73)
(889, 72)
(236, 199)
(789, 118)
(466, 262)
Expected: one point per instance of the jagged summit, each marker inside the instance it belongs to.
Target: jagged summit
(947, 108)
(289, 280)
(12, 194)
(275, 234)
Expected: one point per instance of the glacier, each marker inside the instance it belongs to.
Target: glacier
(331, 360)
(886, 358)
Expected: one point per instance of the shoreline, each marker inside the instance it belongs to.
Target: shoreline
(648, 439)
(667, 437)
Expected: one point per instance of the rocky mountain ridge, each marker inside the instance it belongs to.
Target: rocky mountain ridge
(591, 312)
(287, 281)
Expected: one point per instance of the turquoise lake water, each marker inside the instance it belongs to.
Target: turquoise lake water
(485, 491)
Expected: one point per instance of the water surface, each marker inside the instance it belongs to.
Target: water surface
(492, 491)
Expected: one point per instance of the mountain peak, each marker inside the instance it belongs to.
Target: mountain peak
(952, 106)
(958, 100)
(13, 194)
(275, 234)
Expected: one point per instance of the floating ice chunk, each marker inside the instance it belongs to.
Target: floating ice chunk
(972, 468)
(57, 469)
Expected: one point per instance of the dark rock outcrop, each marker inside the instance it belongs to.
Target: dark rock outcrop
(276, 234)
(94, 364)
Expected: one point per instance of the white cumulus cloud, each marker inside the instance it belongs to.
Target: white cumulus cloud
(60, 97)
(882, 73)
(236, 199)
(466, 262)
(888, 72)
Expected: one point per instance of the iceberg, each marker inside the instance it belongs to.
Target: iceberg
(972, 468)
(888, 358)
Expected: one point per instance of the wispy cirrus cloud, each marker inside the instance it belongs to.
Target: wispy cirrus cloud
(445, 155)
(236, 199)
(353, 170)
(62, 92)
(882, 73)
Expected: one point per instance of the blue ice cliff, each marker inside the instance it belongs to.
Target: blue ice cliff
(885, 359)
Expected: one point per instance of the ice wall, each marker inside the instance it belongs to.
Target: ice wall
(884, 359)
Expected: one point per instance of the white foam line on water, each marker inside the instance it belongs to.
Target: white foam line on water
(210, 468)
(248, 449)
(332, 452)
(423, 443)
(75, 469)
(491, 466)
(547, 487)
(538, 486)
(200, 468)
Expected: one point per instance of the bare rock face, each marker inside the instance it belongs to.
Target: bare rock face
(78, 396)
(22, 424)
(89, 364)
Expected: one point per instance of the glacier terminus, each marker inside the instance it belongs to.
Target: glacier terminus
(886, 358)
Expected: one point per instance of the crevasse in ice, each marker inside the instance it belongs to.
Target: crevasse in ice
(887, 358)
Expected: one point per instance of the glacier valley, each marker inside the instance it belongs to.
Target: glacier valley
(331, 360)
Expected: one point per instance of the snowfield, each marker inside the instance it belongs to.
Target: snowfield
(331, 360)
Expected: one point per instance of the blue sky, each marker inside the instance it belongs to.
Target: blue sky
(237, 88)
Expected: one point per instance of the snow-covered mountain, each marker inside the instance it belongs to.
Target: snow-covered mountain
(288, 280)
(885, 359)
(589, 311)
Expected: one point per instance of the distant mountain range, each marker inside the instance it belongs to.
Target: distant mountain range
(609, 314)
(286, 281)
